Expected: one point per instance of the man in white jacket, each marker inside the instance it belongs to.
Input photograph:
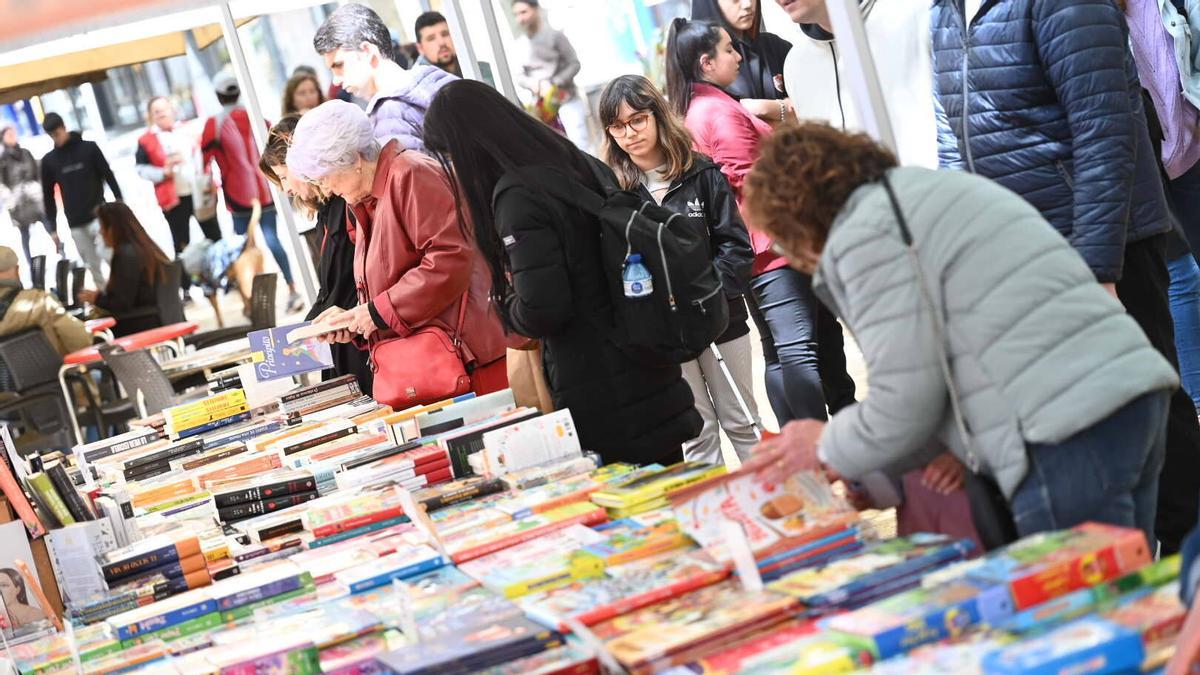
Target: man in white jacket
(898, 35)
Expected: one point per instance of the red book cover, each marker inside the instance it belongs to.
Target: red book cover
(357, 521)
(441, 474)
(634, 602)
(1124, 550)
(418, 456)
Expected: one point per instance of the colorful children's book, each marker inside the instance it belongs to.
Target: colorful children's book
(474, 647)
(1090, 645)
(275, 358)
(655, 485)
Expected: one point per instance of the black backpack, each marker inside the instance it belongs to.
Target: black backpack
(687, 310)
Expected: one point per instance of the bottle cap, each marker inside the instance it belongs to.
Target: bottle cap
(635, 258)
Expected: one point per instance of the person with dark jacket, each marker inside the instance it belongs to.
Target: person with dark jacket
(649, 149)
(19, 175)
(1044, 98)
(415, 267)
(701, 62)
(335, 268)
(80, 171)
(759, 84)
(547, 276)
(138, 266)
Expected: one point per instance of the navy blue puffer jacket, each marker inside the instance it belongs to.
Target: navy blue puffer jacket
(1042, 96)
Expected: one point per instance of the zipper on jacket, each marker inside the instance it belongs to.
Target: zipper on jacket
(966, 93)
(1066, 175)
(699, 302)
(666, 270)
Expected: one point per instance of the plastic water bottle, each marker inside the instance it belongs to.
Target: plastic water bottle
(638, 282)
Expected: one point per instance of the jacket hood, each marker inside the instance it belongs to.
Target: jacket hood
(815, 32)
(421, 87)
(73, 138)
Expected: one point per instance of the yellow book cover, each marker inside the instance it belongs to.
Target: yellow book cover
(626, 494)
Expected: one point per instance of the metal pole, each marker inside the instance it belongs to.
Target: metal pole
(462, 39)
(258, 127)
(847, 21)
(500, 68)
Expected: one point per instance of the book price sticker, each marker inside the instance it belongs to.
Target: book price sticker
(743, 558)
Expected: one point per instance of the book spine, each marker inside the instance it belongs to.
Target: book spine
(16, 497)
(342, 381)
(127, 567)
(178, 569)
(247, 611)
(226, 573)
(269, 590)
(277, 530)
(593, 517)
(250, 509)
(910, 567)
(306, 444)
(356, 522)
(1081, 572)
(388, 577)
(213, 458)
(213, 425)
(357, 532)
(117, 448)
(165, 620)
(632, 603)
(66, 489)
(259, 493)
(245, 435)
(490, 486)
(178, 450)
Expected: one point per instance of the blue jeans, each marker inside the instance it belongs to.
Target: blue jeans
(1107, 473)
(1185, 310)
(241, 222)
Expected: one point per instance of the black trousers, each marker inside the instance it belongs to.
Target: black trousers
(179, 219)
(1143, 291)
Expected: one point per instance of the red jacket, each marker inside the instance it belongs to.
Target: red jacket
(237, 157)
(164, 191)
(413, 262)
(727, 132)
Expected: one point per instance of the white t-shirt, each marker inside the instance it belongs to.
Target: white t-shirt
(174, 143)
(656, 182)
(972, 8)
(898, 34)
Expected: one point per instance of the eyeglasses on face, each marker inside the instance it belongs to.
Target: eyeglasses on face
(637, 123)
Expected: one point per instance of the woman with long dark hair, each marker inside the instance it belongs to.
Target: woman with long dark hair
(335, 270)
(302, 93)
(651, 152)
(759, 84)
(138, 268)
(701, 63)
(547, 278)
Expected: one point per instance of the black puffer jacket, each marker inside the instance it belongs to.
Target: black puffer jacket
(762, 53)
(704, 196)
(624, 411)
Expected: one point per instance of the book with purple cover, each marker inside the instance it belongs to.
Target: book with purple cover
(275, 358)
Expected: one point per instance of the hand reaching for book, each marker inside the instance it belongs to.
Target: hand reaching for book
(792, 451)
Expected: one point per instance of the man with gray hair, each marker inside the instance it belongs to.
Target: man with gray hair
(25, 308)
(357, 47)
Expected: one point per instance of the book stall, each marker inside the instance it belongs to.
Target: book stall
(320, 532)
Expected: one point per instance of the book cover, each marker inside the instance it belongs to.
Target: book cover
(1087, 645)
(274, 358)
(160, 615)
(1156, 615)
(307, 391)
(519, 531)
(655, 485)
(310, 441)
(466, 441)
(177, 569)
(790, 648)
(474, 647)
(711, 613)
(53, 508)
(629, 539)
(79, 509)
(16, 496)
(331, 539)
(241, 493)
(257, 586)
(177, 631)
(212, 426)
(115, 445)
(210, 457)
(454, 492)
(405, 562)
(624, 590)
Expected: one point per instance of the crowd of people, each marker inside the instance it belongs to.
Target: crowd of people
(1019, 271)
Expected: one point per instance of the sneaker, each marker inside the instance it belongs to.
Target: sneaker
(294, 303)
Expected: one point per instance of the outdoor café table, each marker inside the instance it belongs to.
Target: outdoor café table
(101, 327)
(171, 335)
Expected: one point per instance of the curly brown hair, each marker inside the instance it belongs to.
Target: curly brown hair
(804, 175)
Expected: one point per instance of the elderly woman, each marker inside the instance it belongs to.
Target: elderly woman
(423, 290)
(980, 326)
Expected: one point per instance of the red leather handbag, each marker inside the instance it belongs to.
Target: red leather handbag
(421, 368)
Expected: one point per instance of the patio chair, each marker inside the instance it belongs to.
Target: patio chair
(262, 315)
(144, 381)
(37, 272)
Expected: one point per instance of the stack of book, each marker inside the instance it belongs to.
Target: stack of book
(648, 491)
(157, 567)
(57, 497)
(309, 399)
(266, 493)
(221, 410)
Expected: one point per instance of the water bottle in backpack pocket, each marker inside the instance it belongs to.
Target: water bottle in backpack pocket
(636, 278)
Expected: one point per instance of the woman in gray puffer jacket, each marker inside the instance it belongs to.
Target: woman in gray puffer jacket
(989, 334)
(23, 192)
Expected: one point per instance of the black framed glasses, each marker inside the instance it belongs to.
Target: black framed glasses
(637, 123)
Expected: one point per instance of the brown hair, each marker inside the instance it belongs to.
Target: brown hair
(279, 139)
(673, 137)
(119, 226)
(293, 83)
(802, 179)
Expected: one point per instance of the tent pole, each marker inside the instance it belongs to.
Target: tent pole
(500, 68)
(462, 39)
(847, 21)
(258, 126)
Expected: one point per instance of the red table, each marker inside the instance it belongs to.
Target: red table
(100, 325)
(171, 335)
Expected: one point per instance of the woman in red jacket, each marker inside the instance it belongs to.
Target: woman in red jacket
(702, 64)
(414, 267)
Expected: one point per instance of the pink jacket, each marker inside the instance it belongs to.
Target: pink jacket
(413, 262)
(727, 132)
(237, 156)
(1154, 53)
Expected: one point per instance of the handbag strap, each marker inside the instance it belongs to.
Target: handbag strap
(462, 317)
(939, 330)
